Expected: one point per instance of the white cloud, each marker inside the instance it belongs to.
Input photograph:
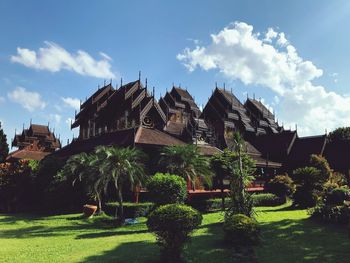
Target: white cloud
(54, 58)
(56, 118)
(104, 55)
(27, 99)
(241, 54)
(270, 35)
(71, 102)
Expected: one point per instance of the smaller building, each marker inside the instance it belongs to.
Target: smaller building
(34, 143)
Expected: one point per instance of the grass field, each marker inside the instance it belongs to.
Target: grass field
(288, 236)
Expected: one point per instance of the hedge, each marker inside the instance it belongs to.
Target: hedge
(131, 210)
(214, 204)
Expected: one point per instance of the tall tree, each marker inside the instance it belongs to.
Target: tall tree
(186, 161)
(4, 147)
(121, 166)
(339, 134)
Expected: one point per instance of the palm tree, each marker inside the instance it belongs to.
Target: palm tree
(186, 161)
(85, 167)
(120, 166)
(242, 168)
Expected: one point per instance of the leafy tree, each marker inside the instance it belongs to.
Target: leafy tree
(4, 148)
(339, 134)
(186, 161)
(321, 164)
(281, 185)
(121, 166)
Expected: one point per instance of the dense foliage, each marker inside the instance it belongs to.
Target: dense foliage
(4, 148)
(241, 230)
(339, 134)
(167, 189)
(281, 185)
(307, 186)
(173, 225)
(107, 166)
(186, 161)
(17, 185)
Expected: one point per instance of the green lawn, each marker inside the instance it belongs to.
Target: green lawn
(288, 236)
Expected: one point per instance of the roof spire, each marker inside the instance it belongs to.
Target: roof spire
(146, 83)
(48, 125)
(216, 85)
(254, 96)
(296, 127)
(121, 82)
(104, 82)
(139, 75)
(224, 86)
(15, 131)
(30, 121)
(326, 132)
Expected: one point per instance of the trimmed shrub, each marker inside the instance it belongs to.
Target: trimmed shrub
(214, 204)
(241, 230)
(337, 196)
(131, 210)
(339, 214)
(167, 189)
(281, 185)
(173, 224)
(267, 200)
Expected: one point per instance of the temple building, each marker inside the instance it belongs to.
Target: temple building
(34, 143)
(130, 116)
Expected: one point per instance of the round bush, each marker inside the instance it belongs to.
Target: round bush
(173, 224)
(281, 185)
(241, 230)
(167, 189)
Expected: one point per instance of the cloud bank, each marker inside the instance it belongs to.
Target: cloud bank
(29, 100)
(270, 60)
(55, 58)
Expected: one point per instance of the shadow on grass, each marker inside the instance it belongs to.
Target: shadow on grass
(303, 241)
(206, 245)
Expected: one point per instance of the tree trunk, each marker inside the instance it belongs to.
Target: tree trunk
(222, 194)
(120, 201)
(99, 204)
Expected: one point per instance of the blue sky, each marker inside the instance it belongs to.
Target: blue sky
(292, 54)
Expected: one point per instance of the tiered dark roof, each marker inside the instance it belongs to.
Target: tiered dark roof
(136, 136)
(275, 146)
(183, 117)
(112, 109)
(261, 116)
(34, 143)
(303, 148)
